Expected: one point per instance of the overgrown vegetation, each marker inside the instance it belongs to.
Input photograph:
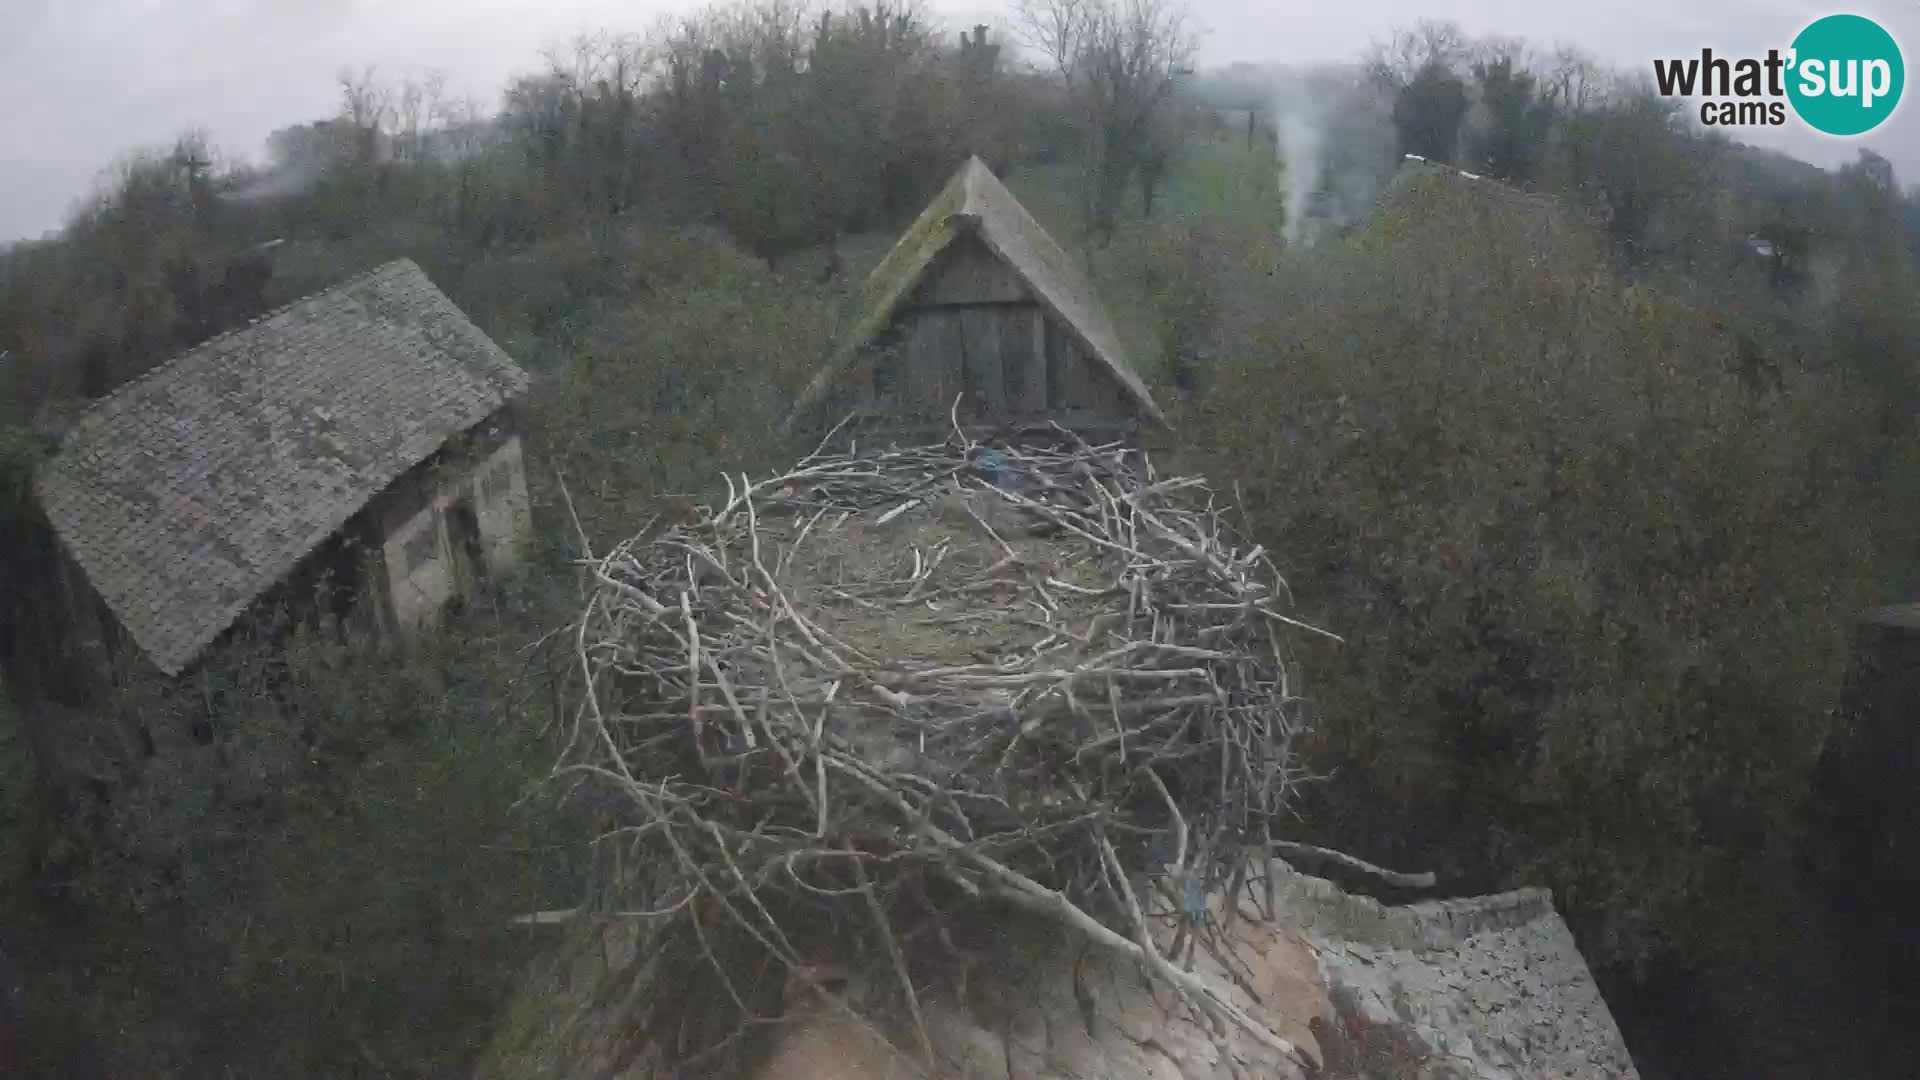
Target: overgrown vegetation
(1591, 484)
(344, 852)
(1597, 530)
(325, 887)
(1597, 582)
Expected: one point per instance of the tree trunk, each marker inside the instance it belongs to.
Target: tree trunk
(1151, 174)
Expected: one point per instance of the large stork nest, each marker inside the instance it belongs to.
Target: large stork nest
(883, 696)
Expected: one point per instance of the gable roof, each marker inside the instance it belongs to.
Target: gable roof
(188, 492)
(976, 202)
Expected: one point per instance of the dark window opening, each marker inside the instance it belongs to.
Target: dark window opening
(469, 555)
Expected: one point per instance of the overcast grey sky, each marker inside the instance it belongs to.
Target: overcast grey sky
(83, 81)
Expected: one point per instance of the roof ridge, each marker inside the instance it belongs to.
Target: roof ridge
(1058, 266)
(970, 186)
(271, 313)
(1423, 925)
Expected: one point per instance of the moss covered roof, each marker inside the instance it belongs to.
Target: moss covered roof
(975, 200)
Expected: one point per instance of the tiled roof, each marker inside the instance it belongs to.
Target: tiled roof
(975, 200)
(191, 490)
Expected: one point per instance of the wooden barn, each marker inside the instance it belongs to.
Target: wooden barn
(977, 305)
(353, 453)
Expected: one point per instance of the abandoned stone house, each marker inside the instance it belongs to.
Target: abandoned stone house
(978, 306)
(353, 454)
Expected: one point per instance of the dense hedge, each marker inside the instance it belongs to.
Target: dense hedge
(1595, 577)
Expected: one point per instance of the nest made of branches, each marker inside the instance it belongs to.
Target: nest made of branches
(856, 706)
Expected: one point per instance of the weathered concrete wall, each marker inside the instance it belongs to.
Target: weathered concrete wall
(1489, 988)
(1429, 925)
(499, 492)
(422, 552)
(420, 577)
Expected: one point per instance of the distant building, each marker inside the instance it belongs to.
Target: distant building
(353, 453)
(976, 306)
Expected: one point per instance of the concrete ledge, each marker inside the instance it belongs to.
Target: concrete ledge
(1312, 903)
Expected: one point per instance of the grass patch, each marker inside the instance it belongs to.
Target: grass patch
(1224, 181)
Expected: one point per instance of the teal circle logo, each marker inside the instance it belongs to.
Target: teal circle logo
(1846, 75)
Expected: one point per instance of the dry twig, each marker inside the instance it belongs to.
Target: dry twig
(806, 752)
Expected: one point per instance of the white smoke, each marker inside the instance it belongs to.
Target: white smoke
(1336, 148)
(1300, 163)
(273, 184)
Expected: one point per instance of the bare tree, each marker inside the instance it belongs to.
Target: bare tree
(409, 116)
(1498, 49)
(460, 120)
(1056, 28)
(1397, 61)
(366, 111)
(1120, 60)
(416, 111)
(601, 65)
(1577, 80)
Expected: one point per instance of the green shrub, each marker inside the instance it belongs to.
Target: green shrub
(676, 384)
(325, 886)
(1593, 583)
